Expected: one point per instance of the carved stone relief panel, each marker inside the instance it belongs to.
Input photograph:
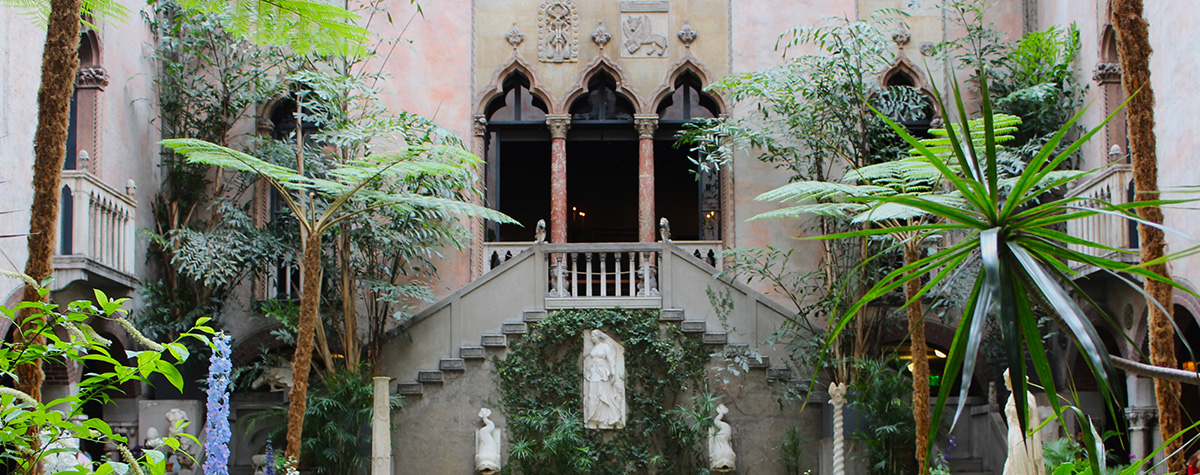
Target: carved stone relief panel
(558, 32)
(644, 29)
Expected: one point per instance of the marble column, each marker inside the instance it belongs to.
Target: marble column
(646, 124)
(559, 123)
(837, 399)
(381, 429)
(478, 227)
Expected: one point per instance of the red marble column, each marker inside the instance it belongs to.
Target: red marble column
(558, 176)
(645, 127)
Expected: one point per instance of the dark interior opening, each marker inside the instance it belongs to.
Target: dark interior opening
(522, 189)
(602, 191)
(918, 126)
(1188, 355)
(602, 102)
(676, 191)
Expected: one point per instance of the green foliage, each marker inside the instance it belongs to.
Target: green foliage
(32, 430)
(337, 423)
(669, 409)
(792, 450)
(882, 394)
(204, 238)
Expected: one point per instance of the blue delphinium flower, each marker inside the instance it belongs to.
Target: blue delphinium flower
(216, 446)
(270, 464)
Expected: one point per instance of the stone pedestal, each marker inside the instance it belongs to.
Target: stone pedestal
(381, 430)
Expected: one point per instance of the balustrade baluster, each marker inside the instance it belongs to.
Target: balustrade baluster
(617, 276)
(574, 274)
(588, 279)
(603, 273)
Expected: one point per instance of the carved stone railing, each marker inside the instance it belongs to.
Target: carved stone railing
(602, 275)
(707, 251)
(96, 232)
(1113, 185)
(496, 253)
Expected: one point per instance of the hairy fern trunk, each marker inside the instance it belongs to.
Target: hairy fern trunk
(310, 295)
(1133, 46)
(920, 356)
(60, 61)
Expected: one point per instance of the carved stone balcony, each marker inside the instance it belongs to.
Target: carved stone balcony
(496, 253)
(1113, 185)
(96, 238)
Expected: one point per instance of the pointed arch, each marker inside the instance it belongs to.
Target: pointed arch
(515, 66)
(687, 65)
(905, 68)
(602, 64)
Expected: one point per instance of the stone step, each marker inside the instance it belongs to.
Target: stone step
(430, 376)
(410, 388)
(671, 315)
(965, 466)
(452, 364)
(514, 328)
(758, 362)
(779, 373)
(716, 338)
(533, 316)
(693, 326)
(493, 340)
(472, 352)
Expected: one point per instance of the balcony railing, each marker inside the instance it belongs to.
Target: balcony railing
(1113, 185)
(96, 236)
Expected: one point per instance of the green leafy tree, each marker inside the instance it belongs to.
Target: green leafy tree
(57, 422)
(346, 191)
(1022, 253)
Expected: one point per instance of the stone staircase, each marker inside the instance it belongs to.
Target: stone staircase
(972, 466)
(490, 343)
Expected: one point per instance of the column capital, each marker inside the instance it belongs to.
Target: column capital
(559, 124)
(480, 125)
(1141, 418)
(646, 125)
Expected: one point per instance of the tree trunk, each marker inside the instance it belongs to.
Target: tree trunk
(920, 356)
(60, 61)
(349, 303)
(1133, 48)
(310, 296)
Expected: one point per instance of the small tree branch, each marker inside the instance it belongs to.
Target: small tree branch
(1156, 372)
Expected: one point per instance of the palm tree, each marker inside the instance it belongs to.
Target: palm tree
(1008, 224)
(911, 177)
(347, 190)
(1133, 47)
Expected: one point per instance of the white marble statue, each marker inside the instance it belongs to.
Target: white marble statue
(278, 379)
(487, 445)
(720, 444)
(1024, 453)
(66, 461)
(603, 382)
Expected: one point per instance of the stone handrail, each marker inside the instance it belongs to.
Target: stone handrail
(1111, 186)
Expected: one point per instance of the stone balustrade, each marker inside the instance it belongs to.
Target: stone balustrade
(1111, 186)
(97, 235)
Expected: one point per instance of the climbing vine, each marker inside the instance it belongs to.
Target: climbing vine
(669, 407)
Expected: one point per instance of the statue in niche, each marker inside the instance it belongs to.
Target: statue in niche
(558, 32)
(637, 33)
(603, 382)
(720, 443)
(487, 445)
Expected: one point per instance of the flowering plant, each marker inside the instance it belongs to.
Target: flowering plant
(216, 445)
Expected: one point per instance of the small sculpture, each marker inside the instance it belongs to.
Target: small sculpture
(720, 444)
(664, 229)
(539, 232)
(603, 382)
(487, 445)
(1024, 453)
(279, 379)
(67, 460)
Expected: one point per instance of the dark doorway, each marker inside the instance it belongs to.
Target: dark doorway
(677, 191)
(523, 188)
(602, 190)
(1187, 353)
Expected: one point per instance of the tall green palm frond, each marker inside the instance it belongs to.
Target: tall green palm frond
(1009, 226)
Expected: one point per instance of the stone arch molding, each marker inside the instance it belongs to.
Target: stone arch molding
(687, 64)
(605, 64)
(495, 88)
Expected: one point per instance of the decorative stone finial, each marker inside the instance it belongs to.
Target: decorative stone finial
(601, 36)
(901, 37)
(687, 35)
(539, 232)
(131, 188)
(928, 48)
(514, 36)
(664, 229)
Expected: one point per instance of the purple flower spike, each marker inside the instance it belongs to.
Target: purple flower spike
(216, 446)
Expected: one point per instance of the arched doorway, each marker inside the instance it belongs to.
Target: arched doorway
(517, 173)
(602, 165)
(687, 196)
